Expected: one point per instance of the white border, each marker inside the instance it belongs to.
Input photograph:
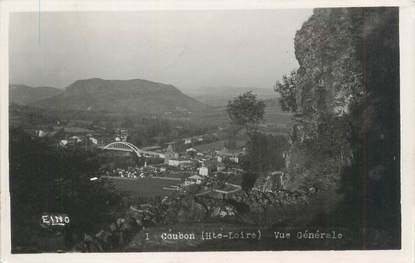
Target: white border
(407, 44)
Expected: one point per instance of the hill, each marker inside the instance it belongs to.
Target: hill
(122, 96)
(24, 95)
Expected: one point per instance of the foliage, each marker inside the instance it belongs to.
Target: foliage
(264, 153)
(287, 90)
(43, 179)
(246, 111)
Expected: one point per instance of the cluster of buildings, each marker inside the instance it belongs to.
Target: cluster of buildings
(206, 159)
(211, 161)
(65, 136)
(198, 165)
(197, 160)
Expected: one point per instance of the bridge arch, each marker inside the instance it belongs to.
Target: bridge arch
(123, 146)
(129, 147)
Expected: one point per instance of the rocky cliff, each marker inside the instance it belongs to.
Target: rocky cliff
(346, 137)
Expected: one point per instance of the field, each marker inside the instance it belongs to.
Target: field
(218, 116)
(144, 187)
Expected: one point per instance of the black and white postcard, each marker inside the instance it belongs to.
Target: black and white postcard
(204, 130)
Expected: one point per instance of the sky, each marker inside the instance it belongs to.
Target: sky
(192, 50)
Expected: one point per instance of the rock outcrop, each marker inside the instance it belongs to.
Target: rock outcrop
(346, 139)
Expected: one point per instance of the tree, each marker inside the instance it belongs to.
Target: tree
(287, 90)
(246, 111)
(44, 179)
(264, 153)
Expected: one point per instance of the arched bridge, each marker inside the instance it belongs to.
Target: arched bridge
(129, 147)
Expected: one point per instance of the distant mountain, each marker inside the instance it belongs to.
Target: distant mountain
(121, 96)
(219, 96)
(24, 95)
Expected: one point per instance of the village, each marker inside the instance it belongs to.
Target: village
(202, 164)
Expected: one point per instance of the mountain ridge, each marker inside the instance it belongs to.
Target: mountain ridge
(24, 94)
(121, 96)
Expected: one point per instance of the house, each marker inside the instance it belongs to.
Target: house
(40, 133)
(122, 134)
(170, 154)
(232, 155)
(194, 179)
(204, 171)
(234, 159)
(63, 143)
(178, 162)
(171, 147)
(93, 140)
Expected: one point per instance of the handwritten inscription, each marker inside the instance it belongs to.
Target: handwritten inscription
(54, 220)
